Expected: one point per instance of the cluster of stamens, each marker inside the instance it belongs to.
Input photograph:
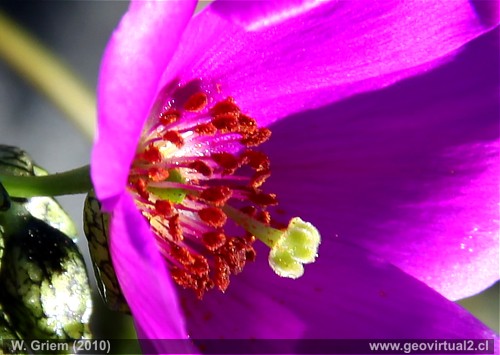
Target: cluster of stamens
(195, 178)
(183, 179)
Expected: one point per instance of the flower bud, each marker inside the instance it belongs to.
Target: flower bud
(44, 288)
(95, 225)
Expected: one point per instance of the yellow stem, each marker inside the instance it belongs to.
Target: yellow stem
(44, 71)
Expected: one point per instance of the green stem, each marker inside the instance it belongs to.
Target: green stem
(70, 182)
(48, 74)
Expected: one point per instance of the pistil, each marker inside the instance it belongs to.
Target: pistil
(290, 248)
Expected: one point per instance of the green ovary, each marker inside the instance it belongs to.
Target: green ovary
(174, 195)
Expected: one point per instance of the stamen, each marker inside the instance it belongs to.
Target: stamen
(152, 154)
(164, 208)
(257, 138)
(168, 117)
(247, 124)
(263, 199)
(158, 174)
(201, 167)
(193, 165)
(174, 228)
(214, 240)
(257, 160)
(217, 195)
(224, 107)
(207, 129)
(259, 178)
(213, 216)
(196, 102)
(222, 273)
(226, 123)
(174, 137)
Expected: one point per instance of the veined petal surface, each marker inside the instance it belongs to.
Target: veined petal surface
(346, 294)
(409, 172)
(325, 53)
(257, 14)
(135, 58)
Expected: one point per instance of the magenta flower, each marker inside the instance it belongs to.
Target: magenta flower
(384, 120)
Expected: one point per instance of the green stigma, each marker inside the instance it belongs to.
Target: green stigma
(297, 246)
(290, 248)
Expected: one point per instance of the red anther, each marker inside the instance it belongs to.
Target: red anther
(208, 284)
(226, 122)
(259, 178)
(216, 195)
(187, 278)
(201, 167)
(174, 137)
(174, 228)
(196, 102)
(221, 274)
(142, 188)
(170, 116)
(226, 106)
(213, 216)
(264, 217)
(202, 287)
(181, 254)
(249, 210)
(200, 265)
(256, 138)
(152, 154)
(251, 254)
(158, 174)
(247, 124)
(181, 277)
(250, 239)
(226, 160)
(257, 160)
(214, 240)
(263, 199)
(164, 208)
(205, 129)
(234, 254)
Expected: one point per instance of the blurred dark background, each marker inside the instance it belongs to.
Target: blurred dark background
(77, 32)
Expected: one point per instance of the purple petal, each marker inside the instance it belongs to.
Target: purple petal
(135, 58)
(488, 11)
(257, 14)
(142, 274)
(316, 57)
(346, 294)
(410, 172)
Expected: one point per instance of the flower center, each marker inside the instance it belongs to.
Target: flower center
(197, 179)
